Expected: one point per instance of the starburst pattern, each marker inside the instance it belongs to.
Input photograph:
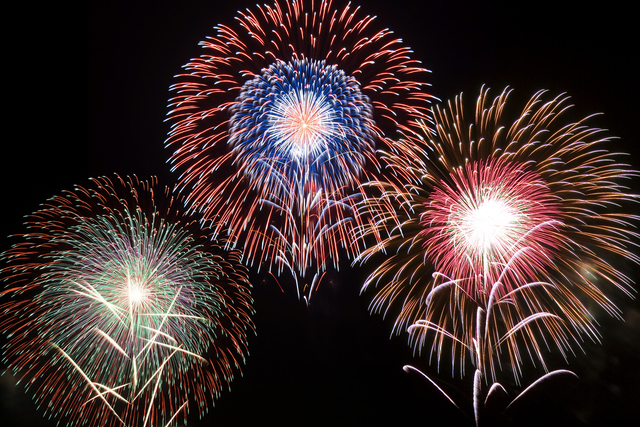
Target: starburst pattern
(494, 210)
(301, 127)
(122, 311)
(274, 127)
(523, 221)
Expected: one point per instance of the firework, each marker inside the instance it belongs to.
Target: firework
(500, 243)
(122, 310)
(274, 127)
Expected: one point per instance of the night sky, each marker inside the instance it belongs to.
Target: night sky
(79, 116)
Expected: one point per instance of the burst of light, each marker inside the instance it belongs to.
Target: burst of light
(492, 211)
(121, 309)
(299, 126)
(276, 125)
(301, 121)
(487, 225)
(500, 211)
(137, 293)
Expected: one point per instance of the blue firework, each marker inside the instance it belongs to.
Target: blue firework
(301, 125)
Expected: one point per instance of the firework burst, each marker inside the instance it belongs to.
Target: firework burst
(122, 310)
(282, 115)
(505, 231)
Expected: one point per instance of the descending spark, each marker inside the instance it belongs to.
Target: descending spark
(500, 241)
(513, 318)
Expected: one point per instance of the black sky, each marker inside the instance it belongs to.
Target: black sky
(82, 116)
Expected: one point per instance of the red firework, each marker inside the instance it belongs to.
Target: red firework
(274, 127)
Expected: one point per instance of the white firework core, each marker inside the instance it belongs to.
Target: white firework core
(302, 121)
(136, 293)
(490, 225)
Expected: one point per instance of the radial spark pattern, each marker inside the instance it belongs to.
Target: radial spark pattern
(492, 211)
(283, 113)
(513, 229)
(121, 310)
(304, 124)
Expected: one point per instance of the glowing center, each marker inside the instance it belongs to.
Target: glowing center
(137, 293)
(489, 224)
(301, 120)
(301, 125)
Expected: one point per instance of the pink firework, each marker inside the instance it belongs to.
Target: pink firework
(276, 125)
(493, 211)
(502, 239)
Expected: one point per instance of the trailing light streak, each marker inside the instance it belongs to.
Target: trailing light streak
(120, 309)
(500, 241)
(512, 317)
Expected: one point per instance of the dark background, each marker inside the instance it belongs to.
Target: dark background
(85, 102)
